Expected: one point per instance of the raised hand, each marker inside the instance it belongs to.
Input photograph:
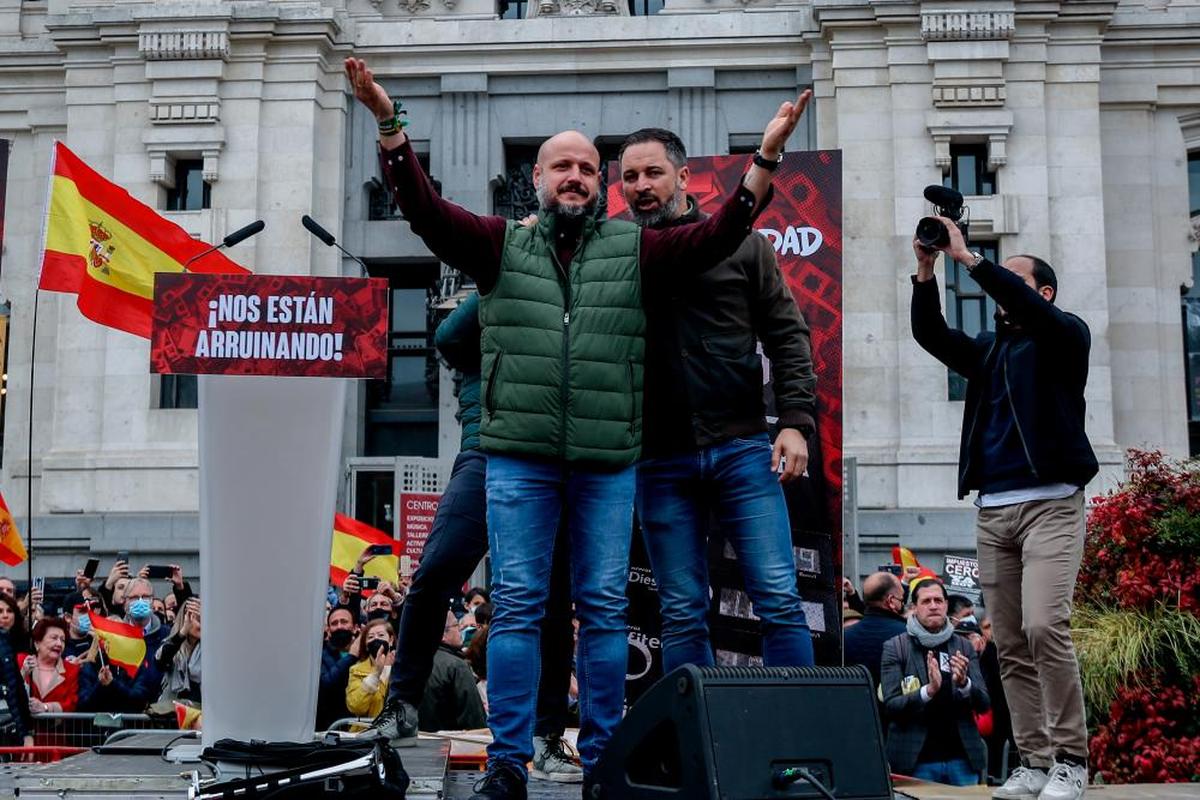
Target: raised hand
(782, 124)
(935, 673)
(958, 669)
(367, 90)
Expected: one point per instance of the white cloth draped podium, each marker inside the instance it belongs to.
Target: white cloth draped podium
(270, 452)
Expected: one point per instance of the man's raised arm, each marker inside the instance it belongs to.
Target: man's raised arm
(705, 244)
(463, 240)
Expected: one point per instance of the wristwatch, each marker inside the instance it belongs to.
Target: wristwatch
(976, 258)
(766, 163)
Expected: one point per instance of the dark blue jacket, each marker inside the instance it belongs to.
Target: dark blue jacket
(14, 691)
(331, 693)
(458, 341)
(863, 643)
(1045, 368)
(124, 694)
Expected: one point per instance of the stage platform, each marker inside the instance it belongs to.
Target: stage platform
(135, 769)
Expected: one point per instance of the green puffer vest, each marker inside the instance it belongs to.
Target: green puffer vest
(562, 359)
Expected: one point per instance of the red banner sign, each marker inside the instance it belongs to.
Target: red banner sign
(417, 510)
(269, 325)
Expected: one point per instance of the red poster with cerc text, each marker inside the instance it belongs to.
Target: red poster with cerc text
(283, 325)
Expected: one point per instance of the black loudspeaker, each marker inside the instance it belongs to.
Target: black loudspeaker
(750, 733)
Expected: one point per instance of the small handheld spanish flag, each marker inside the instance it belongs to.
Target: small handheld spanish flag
(124, 644)
(904, 557)
(188, 718)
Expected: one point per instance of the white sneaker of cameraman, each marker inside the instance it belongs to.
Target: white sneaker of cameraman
(1067, 782)
(1024, 783)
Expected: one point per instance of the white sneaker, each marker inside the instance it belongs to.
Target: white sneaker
(551, 762)
(1024, 783)
(1067, 782)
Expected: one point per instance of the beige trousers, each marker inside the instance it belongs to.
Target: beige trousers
(1029, 556)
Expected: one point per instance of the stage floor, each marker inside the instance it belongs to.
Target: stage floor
(137, 770)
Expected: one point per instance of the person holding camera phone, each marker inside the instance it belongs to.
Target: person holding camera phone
(366, 690)
(1025, 451)
(932, 687)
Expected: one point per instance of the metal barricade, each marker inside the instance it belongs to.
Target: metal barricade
(91, 729)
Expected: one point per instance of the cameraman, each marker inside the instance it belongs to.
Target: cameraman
(1025, 451)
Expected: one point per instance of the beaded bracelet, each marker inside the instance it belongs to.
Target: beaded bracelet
(394, 124)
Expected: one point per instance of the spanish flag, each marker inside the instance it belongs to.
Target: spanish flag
(12, 549)
(350, 538)
(105, 246)
(904, 557)
(187, 718)
(124, 644)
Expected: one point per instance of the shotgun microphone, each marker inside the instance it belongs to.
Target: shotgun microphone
(240, 235)
(313, 227)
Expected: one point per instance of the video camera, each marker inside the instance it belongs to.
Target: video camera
(931, 232)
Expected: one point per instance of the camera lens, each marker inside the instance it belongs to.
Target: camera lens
(932, 233)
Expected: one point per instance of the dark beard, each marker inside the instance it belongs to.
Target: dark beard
(659, 216)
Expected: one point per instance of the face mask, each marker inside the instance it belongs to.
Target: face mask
(968, 620)
(340, 640)
(84, 624)
(331, 595)
(379, 613)
(138, 609)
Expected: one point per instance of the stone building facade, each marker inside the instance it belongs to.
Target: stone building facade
(1069, 123)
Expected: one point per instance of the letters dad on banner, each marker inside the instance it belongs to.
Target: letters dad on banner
(269, 325)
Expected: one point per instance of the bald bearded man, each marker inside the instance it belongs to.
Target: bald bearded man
(563, 346)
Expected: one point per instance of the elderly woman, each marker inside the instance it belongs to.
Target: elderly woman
(178, 657)
(368, 685)
(53, 681)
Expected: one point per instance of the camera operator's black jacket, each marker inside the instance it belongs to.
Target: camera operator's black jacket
(1046, 368)
(703, 375)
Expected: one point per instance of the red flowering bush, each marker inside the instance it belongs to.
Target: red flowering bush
(1137, 624)
(1152, 735)
(1142, 543)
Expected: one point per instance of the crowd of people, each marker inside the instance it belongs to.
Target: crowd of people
(61, 666)
(898, 630)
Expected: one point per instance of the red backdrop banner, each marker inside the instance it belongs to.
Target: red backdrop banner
(269, 325)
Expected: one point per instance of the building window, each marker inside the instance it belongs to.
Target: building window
(191, 192)
(513, 9)
(644, 8)
(380, 203)
(178, 391)
(969, 172)
(968, 307)
(1191, 316)
(374, 498)
(402, 410)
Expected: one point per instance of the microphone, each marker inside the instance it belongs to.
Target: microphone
(317, 231)
(313, 227)
(240, 235)
(244, 233)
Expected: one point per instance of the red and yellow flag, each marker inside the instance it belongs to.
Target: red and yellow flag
(124, 644)
(350, 538)
(12, 548)
(904, 557)
(105, 246)
(189, 718)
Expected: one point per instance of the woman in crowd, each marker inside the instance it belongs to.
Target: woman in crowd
(53, 681)
(104, 686)
(368, 685)
(178, 657)
(16, 723)
(12, 622)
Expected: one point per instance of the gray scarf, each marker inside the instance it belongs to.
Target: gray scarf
(929, 640)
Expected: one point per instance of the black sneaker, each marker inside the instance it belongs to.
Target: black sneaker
(397, 723)
(502, 782)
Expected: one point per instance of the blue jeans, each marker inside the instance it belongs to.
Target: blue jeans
(525, 500)
(735, 480)
(956, 772)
